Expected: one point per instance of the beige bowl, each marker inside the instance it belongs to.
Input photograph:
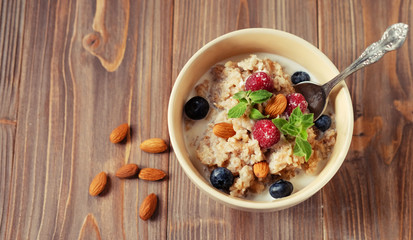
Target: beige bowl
(253, 41)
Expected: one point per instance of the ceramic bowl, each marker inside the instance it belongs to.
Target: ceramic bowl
(266, 41)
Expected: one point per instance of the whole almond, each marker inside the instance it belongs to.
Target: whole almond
(151, 174)
(148, 206)
(261, 169)
(224, 130)
(276, 105)
(119, 133)
(127, 171)
(154, 145)
(98, 184)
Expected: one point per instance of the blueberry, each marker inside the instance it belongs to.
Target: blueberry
(281, 188)
(323, 123)
(298, 77)
(196, 108)
(222, 178)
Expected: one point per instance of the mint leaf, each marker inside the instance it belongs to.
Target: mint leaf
(297, 126)
(279, 123)
(296, 116)
(298, 151)
(238, 110)
(260, 96)
(290, 130)
(256, 114)
(307, 121)
(304, 134)
(302, 148)
(240, 95)
(249, 98)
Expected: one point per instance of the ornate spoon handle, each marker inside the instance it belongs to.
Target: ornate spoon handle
(392, 39)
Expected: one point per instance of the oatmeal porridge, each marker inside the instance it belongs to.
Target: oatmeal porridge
(253, 135)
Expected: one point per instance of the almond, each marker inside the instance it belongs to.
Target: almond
(127, 171)
(119, 133)
(98, 184)
(276, 105)
(148, 207)
(224, 130)
(154, 145)
(151, 174)
(261, 169)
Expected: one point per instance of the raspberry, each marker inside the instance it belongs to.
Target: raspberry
(294, 100)
(266, 133)
(258, 81)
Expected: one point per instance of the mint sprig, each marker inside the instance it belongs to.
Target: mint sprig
(297, 126)
(249, 99)
(260, 96)
(238, 110)
(255, 114)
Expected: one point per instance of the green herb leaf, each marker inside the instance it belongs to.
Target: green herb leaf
(240, 95)
(260, 96)
(307, 121)
(238, 110)
(249, 98)
(279, 123)
(304, 134)
(296, 116)
(255, 114)
(290, 130)
(302, 148)
(297, 126)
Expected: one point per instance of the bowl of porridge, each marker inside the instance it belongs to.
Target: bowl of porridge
(240, 131)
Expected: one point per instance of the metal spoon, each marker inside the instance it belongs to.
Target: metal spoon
(317, 95)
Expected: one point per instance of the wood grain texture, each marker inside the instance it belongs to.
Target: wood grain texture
(7, 139)
(71, 71)
(371, 190)
(11, 32)
(69, 104)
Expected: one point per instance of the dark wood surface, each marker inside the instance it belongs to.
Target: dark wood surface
(71, 71)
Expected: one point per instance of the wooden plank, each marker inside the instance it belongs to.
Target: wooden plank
(11, 27)
(11, 38)
(370, 197)
(191, 214)
(74, 91)
(7, 137)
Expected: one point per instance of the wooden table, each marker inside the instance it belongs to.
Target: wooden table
(71, 71)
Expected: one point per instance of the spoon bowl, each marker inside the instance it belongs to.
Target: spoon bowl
(315, 96)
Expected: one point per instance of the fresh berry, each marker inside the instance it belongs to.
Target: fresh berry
(266, 133)
(280, 189)
(258, 81)
(222, 178)
(294, 100)
(298, 77)
(323, 123)
(196, 108)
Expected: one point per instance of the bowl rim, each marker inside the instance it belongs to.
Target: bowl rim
(240, 203)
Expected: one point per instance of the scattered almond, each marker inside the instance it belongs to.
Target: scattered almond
(98, 184)
(224, 130)
(127, 171)
(151, 174)
(261, 169)
(154, 145)
(119, 133)
(276, 105)
(148, 207)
